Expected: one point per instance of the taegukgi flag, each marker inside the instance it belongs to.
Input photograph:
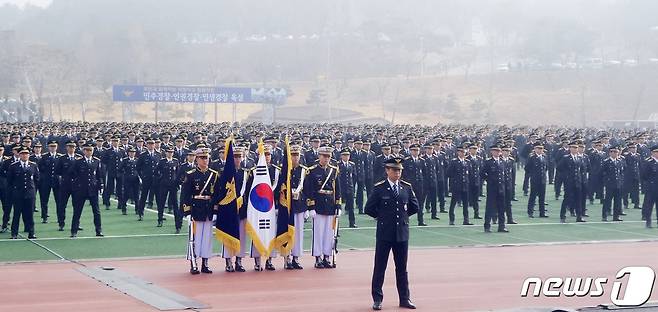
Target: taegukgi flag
(261, 214)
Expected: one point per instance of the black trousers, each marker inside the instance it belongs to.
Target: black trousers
(348, 199)
(23, 207)
(147, 191)
(369, 186)
(458, 196)
(400, 255)
(473, 197)
(650, 201)
(559, 181)
(5, 197)
(168, 194)
(441, 194)
(420, 195)
(130, 191)
(360, 188)
(612, 200)
(430, 197)
(78, 203)
(573, 199)
(65, 192)
(113, 185)
(496, 205)
(45, 188)
(632, 189)
(551, 172)
(537, 191)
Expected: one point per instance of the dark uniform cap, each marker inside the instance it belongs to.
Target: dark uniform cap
(325, 149)
(295, 150)
(538, 144)
(345, 151)
(414, 147)
(24, 150)
(395, 162)
(131, 149)
(88, 146)
(495, 147)
(71, 143)
(38, 144)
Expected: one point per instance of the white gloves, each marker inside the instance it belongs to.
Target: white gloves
(340, 212)
(214, 218)
(312, 213)
(305, 214)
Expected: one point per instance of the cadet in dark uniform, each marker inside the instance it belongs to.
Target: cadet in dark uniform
(378, 164)
(536, 169)
(185, 166)
(4, 189)
(650, 185)
(347, 179)
(613, 181)
(474, 179)
(392, 202)
(358, 158)
(87, 175)
(130, 179)
(48, 179)
(165, 174)
(63, 172)
(632, 176)
(430, 180)
(458, 173)
(111, 160)
(23, 178)
(414, 175)
(368, 165)
(146, 165)
(510, 173)
(570, 169)
(493, 172)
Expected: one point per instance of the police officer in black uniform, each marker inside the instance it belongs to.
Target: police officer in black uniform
(146, 166)
(186, 165)
(130, 179)
(87, 175)
(414, 175)
(536, 169)
(613, 181)
(23, 178)
(48, 179)
(649, 175)
(65, 177)
(493, 172)
(392, 202)
(111, 160)
(458, 173)
(347, 179)
(165, 173)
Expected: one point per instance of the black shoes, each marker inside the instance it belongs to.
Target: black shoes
(177, 231)
(269, 266)
(422, 224)
(204, 266)
(295, 265)
(194, 271)
(327, 264)
(99, 234)
(32, 236)
(353, 226)
(377, 305)
(159, 223)
(407, 304)
(503, 230)
(318, 263)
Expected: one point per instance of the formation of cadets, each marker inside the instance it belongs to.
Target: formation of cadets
(335, 168)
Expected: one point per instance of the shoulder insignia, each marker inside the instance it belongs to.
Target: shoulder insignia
(380, 182)
(191, 171)
(78, 157)
(351, 162)
(332, 166)
(58, 154)
(405, 182)
(277, 167)
(96, 158)
(212, 170)
(31, 162)
(312, 167)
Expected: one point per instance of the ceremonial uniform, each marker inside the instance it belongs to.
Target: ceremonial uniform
(613, 181)
(413, 173)
(299, 211)
(570, 168)
(167, 187)
(130, 181)
(65, 176)
(493, 171)
(111, 160)
(347, 180)
(650, 185)
(536, 169)
(458, 173)
(48, 181)
(146, 167)
(197, 193)
(323, 200)
(631, 179)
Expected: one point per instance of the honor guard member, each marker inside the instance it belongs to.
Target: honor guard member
(391, 203)
(323, 200)
(23, 178)
(48, 179)
(613, 181)
(111, 160)
(87, 175)
(65, 177)
(536, 169)
(197, 193)
(187, 165)
(415, 168)
(650, 185)
(130, 179)
(241, 176)
(493, 172)
(299, 209)
(347, 179)
(165, 174)
(146, 166)
(458, 174)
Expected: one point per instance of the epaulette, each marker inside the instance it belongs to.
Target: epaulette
(304, 167)
(191, 171)
(312, 167)
(125, 158)
(332, 166)
(277, 167)
(212, 170)
(96, 158)
(351, 162)
(511, 158)
(405, 182)
(15, 162)
(380, 182)
(31, 162)
(78, 157)
(5, 158)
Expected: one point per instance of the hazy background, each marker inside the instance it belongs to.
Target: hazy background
(575, 62)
